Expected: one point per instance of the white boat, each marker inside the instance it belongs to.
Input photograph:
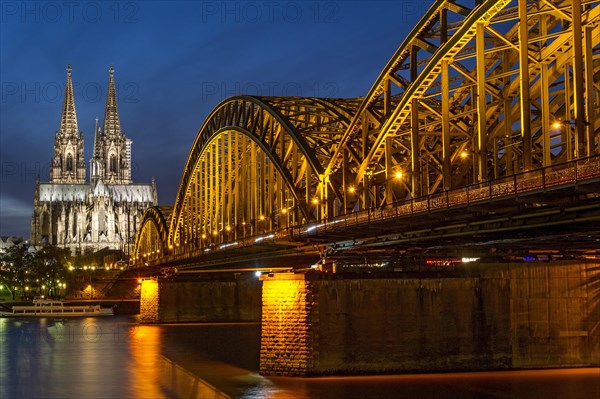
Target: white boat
(55, 308)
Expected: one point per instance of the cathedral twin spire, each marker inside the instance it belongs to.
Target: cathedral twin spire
(68, 164)
(68, 121)
(112, 125)
(111, 158)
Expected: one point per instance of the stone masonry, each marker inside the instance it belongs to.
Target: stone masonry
(149, 301)
(289, 324)
(486, 317)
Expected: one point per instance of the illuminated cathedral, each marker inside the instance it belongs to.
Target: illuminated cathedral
(104, 212)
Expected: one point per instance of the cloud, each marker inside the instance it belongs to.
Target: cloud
(14, 213)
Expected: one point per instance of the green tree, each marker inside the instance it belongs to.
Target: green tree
(15, 270)
(50, 266)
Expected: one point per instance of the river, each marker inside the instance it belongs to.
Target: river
(115, 357)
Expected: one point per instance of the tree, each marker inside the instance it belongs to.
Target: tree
(22, 269)
(50, 267)
(15, 268)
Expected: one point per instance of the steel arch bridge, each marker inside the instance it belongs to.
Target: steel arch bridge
(152, 236)
(478, 91)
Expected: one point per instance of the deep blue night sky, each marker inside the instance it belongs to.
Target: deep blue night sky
(174, 62)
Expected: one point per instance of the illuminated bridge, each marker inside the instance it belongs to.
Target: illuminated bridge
(480, 137)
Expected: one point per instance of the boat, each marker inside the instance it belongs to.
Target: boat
(56, 308)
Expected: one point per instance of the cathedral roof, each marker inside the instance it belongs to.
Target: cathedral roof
(132, 192)
(63, 192)
(112, 124)
(68, 120)
(142, 193)
(100, 189)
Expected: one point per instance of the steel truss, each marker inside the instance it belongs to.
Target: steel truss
(254, 166)
(475, 94)
(152, 237)
(477, 91)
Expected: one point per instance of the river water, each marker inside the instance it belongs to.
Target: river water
(115, 357)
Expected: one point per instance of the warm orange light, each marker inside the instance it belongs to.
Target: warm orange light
(398, 175)
(203, 236)
(262, 217)
(284, 210)
(149, 301)
(228, 228)
(140, 280)
(464, 154)
(351, 189)
(315, 201)
(280, 297)
(215, 232)
(557, 125)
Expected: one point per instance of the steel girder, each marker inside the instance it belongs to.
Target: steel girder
(255, 166)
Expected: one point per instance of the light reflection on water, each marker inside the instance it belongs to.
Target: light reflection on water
(117, 358)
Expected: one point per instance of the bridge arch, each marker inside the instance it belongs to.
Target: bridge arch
(257, 165)
(151, 239)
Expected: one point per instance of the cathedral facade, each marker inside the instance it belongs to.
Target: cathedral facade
(104, 212)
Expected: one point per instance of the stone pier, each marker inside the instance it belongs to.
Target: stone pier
(501, 316)
(215, 299)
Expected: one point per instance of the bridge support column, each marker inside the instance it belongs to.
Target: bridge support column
(149, 301)
(289, 323)
(483, 317)
(224, 298)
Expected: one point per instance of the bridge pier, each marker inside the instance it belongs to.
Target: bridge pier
(498, 316)
(201, 298)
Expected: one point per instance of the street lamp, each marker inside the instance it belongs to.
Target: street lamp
(464, 155)
(315, 202)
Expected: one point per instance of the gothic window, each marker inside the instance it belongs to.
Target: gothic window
(113, 164)
(69, 163)
(74, 230)
(45, 226)
(101, 221)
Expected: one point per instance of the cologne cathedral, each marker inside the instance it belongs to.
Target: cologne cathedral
(104, 212)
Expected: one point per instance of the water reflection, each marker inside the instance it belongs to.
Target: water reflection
(117, 358)
(47, 358)
(144, 367)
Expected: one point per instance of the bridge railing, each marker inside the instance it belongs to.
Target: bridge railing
(194, 251)
(515, 185)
